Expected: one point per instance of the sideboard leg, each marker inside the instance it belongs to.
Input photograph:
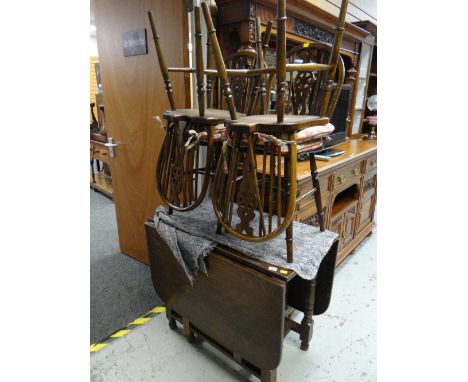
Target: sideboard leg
(188, 333)
(268, 375)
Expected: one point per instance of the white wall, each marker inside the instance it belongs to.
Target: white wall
(354, 13)
(92, 32)
(93, 49)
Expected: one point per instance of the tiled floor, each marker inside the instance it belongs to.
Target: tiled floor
(343, 347)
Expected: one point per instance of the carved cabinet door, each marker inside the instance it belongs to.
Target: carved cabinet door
(337, 227)
(348, 226)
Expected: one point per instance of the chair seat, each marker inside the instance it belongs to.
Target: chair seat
(211, 117)
(268, 123)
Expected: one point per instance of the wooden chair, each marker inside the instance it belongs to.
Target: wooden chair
(246, 90)
(305, 92)
(264, 193)
(180, 161)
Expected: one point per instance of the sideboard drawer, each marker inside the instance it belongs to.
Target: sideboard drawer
(348, 174)
(101, 153)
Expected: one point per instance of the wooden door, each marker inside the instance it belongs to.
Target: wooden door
(133, 94)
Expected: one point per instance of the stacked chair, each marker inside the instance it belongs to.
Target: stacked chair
(244, 198)
(181, 163)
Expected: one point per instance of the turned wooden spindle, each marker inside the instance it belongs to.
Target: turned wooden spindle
(162, 62)
(199, 63)
(219, 58)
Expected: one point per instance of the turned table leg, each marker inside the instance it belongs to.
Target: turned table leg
(307, 324)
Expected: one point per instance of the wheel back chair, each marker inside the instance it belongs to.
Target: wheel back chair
(274, 136)
(180, 161)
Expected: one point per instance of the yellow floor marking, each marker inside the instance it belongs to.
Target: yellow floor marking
(140, 321)
(96, 347)
(123, 332)
(120, 333)
(158, 309)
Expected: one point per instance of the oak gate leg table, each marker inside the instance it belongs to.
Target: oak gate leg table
(243, 306)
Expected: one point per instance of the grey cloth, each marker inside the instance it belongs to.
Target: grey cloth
(192, 235)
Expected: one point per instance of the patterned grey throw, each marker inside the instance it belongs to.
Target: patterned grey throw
(192, 236)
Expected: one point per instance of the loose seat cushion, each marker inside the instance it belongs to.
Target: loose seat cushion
(309, 139)
(314, 132)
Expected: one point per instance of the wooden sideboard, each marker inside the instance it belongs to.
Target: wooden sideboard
(100, 181)
(348, 185)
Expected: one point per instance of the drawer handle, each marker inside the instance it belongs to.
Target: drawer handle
(356, 171)
(341, 178)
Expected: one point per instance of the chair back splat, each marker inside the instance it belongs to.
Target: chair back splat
(306, 89)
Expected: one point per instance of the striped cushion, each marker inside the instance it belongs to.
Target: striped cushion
(219, 133)
(314, 132)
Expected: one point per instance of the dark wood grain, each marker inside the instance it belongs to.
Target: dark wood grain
(239, 307)
(133, 94)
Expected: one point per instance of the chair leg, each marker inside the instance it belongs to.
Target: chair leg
(289, 243)
(289, 230)
(317, 194)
